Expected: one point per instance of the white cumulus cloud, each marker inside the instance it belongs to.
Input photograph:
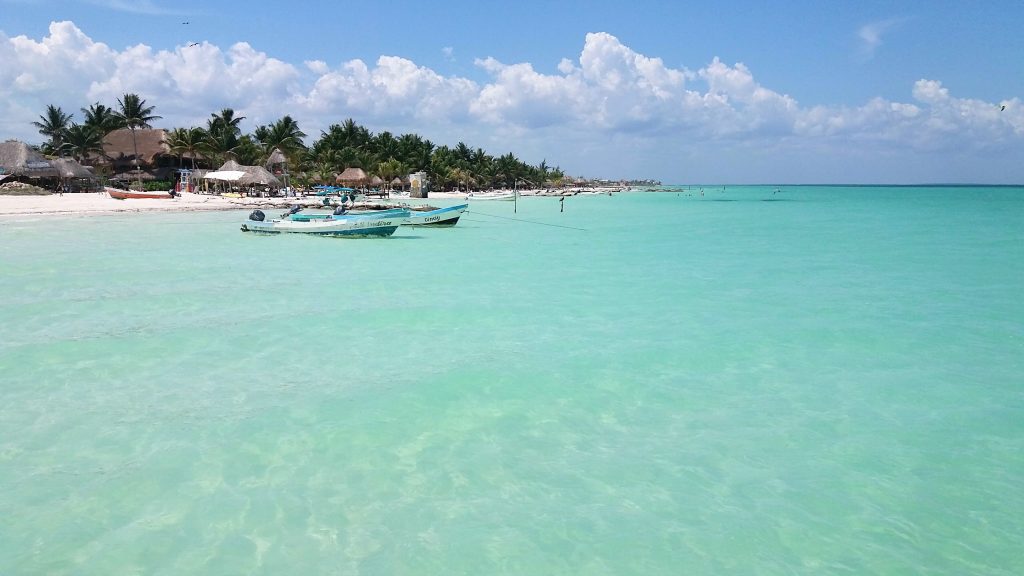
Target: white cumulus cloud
(605, 97)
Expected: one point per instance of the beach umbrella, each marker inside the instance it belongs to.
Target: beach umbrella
(352, 175)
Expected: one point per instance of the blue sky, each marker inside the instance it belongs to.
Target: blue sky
(684, 92)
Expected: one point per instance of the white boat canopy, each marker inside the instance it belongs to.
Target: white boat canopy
(225, 175)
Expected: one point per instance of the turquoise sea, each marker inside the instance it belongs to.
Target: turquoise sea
(824, 380)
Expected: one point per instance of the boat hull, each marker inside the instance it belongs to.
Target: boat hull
(345, 227)
(493, 197)
(124, 195)
(443, 218)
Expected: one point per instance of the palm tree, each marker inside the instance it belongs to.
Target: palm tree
(389, 169)
(224, 123)
(222, 134)
(283, 134)
(249, 152)
(354, 135)
(188, 141)
(134, 114)
(83, 140)
(385, 146)
(460, 177)
(100, 118)
(509, 168)
(463, 153)
(54, 125)
(414, 151)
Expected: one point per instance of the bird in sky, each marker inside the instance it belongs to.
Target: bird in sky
(193, 44)
(186, 22)
(1003, 108)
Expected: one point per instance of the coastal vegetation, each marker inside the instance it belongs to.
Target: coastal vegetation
(341, 146)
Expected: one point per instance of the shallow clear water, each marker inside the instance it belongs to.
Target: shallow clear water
(823, 380)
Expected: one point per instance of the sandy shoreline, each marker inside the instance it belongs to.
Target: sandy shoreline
(99, 203)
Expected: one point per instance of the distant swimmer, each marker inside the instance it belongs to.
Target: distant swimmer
(184, 22)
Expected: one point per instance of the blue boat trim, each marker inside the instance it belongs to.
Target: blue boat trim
(437, 217)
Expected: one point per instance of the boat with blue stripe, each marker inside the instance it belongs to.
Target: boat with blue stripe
(366, 225)
(442, 217)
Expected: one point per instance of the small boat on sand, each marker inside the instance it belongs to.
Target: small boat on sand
(442, 217)
(348, 226)
(509, 196)
(125, 194)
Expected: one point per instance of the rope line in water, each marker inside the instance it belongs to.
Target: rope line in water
(527, 221)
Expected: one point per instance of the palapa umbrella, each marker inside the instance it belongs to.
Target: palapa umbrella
(352, 175)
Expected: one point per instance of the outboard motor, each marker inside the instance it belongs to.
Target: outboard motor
(257, 216)
(340, 210)
(295, 209)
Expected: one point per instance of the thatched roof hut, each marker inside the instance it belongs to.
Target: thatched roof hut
(118, 146)
(376, 181)
(70, 168)
(19, 159)
(276, 157)
(254, 175)
(231, 164)
(259, 175)
(352, 176)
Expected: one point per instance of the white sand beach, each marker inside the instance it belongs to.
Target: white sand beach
(99, 203)
(94, 203)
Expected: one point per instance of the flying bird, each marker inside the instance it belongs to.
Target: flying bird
(193, 44)
(185, 22)
(1003, 108)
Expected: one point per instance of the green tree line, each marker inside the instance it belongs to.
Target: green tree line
(341, 146)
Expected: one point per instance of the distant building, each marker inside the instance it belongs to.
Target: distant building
(419, 186)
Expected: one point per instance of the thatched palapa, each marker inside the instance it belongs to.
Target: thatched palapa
(259, 175)
(276, 157)
(352, 176)
(69, 168)
(19, 159)
(230, 165)
(253, 174)
(153, 149)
